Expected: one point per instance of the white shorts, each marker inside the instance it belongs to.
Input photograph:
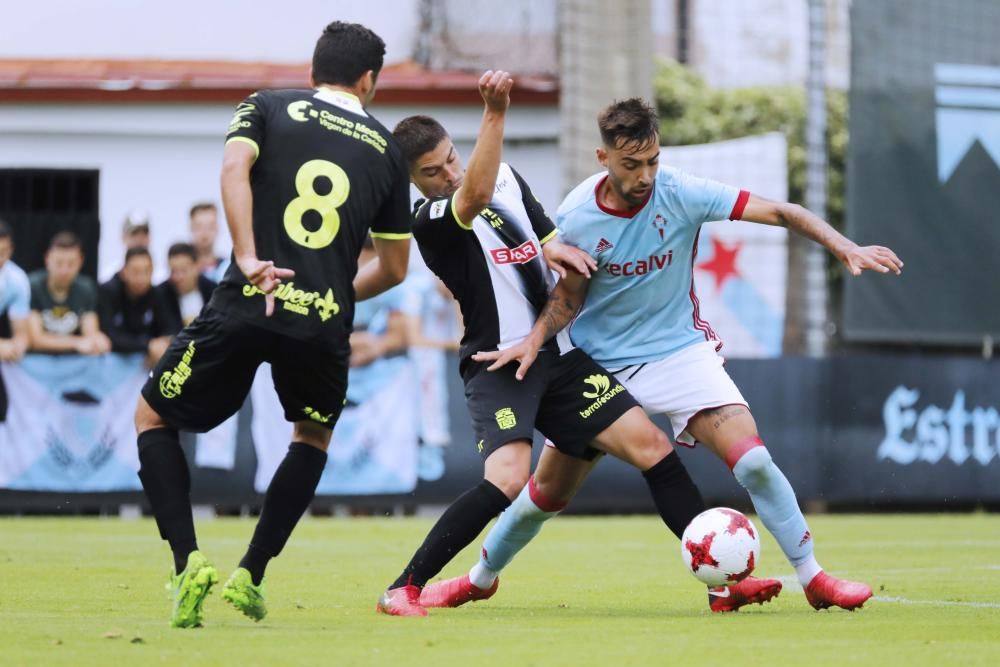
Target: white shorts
(682, 385)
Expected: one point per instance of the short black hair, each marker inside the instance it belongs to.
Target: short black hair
(344, 52)
(182, 249)
(417, 135)
(137, 251)
(66, 240)
(202, 206)
(5, 231)
(629, 123)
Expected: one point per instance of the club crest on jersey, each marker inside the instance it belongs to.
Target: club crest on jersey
(522, 254)
(659, 224)
(603, 245)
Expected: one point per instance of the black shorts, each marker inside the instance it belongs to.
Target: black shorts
(569, 399)
(206, 373)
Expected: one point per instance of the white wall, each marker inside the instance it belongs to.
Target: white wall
(249, 30)
(164, 158)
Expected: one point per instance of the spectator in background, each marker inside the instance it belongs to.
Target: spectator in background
(15, 301)
(15, 306)
(130, 309)
(64, 303)
(135, 230)
(186, 291)
(204, 232)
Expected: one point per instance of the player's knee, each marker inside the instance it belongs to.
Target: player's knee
(650, 448)
(754, 467)
(146, 418)
(510, 481)
(312, 434)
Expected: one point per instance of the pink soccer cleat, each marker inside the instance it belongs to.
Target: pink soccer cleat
(747, 591)
(826, 591)
(455, 592)
(402, 601)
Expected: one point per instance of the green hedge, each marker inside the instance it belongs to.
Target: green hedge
(691, 112)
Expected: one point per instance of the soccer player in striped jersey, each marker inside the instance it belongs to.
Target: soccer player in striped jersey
(483, 233)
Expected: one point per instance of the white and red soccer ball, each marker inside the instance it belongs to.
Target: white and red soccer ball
(720, 546)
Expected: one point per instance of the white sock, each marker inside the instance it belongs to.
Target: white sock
(481, 576)
(807, 570)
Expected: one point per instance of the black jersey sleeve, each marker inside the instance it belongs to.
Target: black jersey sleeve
(248, 122)
(393, 220)
(436, 228)
(540, 222)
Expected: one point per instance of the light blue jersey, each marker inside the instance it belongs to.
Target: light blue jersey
(373, 315)
(15, 291)
(641, 304)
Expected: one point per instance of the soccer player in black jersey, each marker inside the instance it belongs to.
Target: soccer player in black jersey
(484, 234)
(306, 176)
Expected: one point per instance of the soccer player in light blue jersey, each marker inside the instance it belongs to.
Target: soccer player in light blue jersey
(638, 316)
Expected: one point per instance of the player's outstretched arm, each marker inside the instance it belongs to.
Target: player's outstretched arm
(856, 258)
(387, 270)
(237, 199)
(563, 304)
(480, 178)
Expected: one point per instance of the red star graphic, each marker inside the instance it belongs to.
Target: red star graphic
(723, 262)
(737, 521)
(740, 576)
(701, 552)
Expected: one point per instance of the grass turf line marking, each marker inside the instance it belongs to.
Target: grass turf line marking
(938, 603)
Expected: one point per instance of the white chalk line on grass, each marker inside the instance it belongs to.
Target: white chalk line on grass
(792, 584)
(938, 603)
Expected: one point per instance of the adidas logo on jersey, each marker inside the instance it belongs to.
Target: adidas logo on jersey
(603, 245)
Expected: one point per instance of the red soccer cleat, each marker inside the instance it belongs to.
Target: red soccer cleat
(402, 601)
(748, 591)
(826, 591)
(455, 592)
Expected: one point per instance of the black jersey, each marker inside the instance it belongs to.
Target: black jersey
(493, 264)
(326, 173)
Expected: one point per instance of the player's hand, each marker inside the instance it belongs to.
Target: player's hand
(872, 258)
(495, 89)
(524, 353)
(561, 256)
(265, 276)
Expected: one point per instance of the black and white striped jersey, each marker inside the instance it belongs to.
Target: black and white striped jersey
(493, 265)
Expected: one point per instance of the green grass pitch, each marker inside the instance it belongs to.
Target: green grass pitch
(589, 591)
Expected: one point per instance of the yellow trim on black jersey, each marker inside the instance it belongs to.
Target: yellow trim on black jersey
(454, 213)
(249, 142)
(390, 236)
(549, 236)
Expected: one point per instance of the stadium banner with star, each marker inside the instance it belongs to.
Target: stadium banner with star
(740, 269)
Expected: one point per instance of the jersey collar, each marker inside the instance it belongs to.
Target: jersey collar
(341, 99)
(630, 213)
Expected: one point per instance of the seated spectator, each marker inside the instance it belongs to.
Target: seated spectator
(15, 301)
(15, 306)
(64, 303)
(135, 230)
(204, 232)
(130, 311)
(186, 292)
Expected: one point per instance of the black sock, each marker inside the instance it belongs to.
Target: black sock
(676, 497)
(458, 526)
(288, 496)
(163, 471)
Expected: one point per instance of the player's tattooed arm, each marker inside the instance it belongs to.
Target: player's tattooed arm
(799, 219)
(561, 308)
(563, 305)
